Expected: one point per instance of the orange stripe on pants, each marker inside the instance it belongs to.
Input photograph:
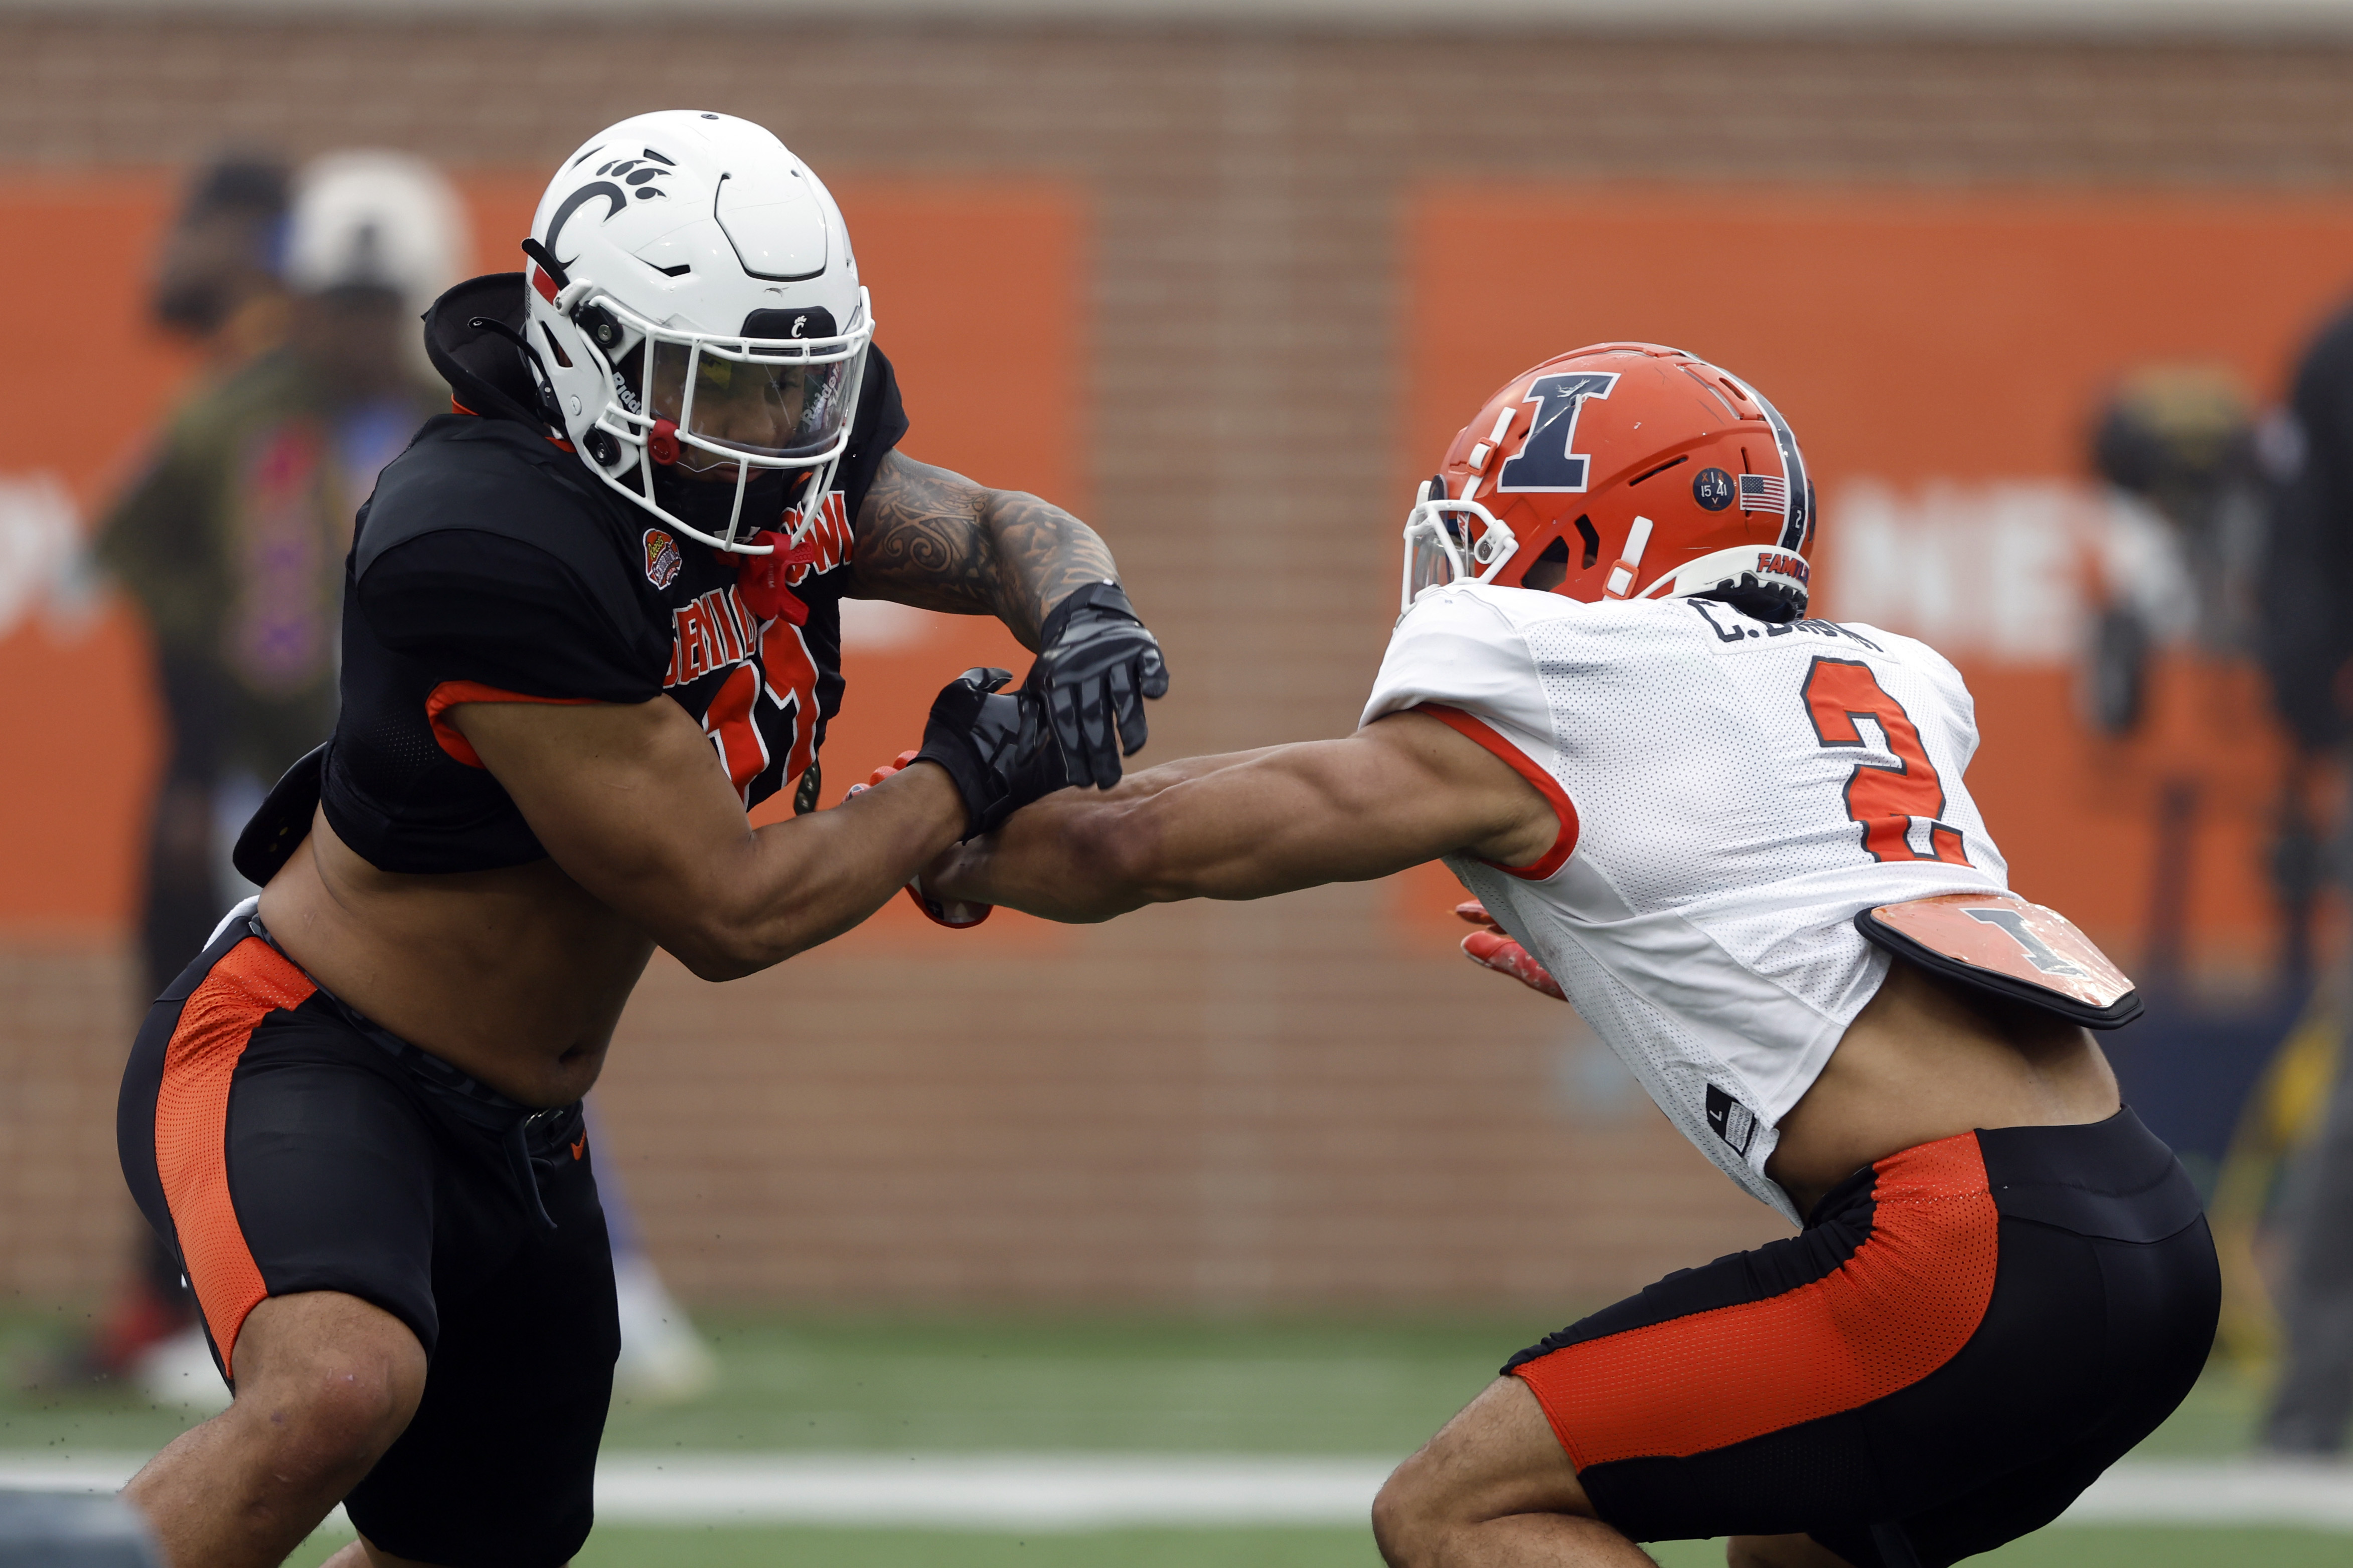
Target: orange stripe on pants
(251, 982)
(1900, 1307)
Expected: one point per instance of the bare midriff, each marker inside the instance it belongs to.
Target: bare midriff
(1926, 1059)
(516, 976)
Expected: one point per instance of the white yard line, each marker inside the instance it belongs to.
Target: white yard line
(1087, 1491)
(36, 1471)
(1032, 1491)
(2206, 1491)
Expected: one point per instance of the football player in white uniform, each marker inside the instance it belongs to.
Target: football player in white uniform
(1737, 839)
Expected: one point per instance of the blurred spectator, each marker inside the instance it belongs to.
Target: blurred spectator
(2306, 646)
(217, 284)
(216, 281)
(232, 540)
(232, 545)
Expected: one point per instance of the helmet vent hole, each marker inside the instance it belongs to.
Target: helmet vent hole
(1549, 569)
(1661, 469)
(1592, 544)
(554, 347)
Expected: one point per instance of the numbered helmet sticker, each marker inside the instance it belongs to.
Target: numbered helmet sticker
(1792, 495)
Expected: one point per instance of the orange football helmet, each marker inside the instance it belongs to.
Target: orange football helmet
(1622, 471)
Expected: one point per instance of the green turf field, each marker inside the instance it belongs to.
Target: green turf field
(716, 1548)
(930, 1385)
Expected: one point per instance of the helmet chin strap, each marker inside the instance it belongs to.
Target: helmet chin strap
(1621, 576)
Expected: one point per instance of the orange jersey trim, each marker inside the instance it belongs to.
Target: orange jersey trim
(251, 981)
(1902, 1306)
(450, 693)
(1564, 845)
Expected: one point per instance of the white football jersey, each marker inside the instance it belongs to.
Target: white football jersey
(1731, 793)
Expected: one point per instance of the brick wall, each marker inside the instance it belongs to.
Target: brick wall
(65, 1017)
(1224, 1106)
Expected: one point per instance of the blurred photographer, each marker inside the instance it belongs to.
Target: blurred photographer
(2307, 647)
(2185, 538)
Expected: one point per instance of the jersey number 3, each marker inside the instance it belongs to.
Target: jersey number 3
(1884, 800)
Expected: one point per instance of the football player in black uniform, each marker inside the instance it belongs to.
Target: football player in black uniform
(591, 617)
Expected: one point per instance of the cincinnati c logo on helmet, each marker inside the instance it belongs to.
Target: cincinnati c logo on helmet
(637, 173)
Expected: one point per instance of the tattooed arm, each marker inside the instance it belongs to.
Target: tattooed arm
(933, 538)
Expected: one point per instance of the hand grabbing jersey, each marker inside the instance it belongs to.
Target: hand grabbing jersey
(1492, 947)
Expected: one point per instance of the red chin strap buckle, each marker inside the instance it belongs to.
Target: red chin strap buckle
(662, 445)
(760, 581)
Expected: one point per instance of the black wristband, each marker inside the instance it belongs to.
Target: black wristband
(960, 737)
(998, 748)
(1106, 596)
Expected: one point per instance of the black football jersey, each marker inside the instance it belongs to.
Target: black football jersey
(490, 563)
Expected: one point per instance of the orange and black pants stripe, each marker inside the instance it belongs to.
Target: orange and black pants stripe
(1962, 1337)
(280, 1143)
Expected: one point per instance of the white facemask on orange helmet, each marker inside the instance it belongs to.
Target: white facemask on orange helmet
(1622, 471)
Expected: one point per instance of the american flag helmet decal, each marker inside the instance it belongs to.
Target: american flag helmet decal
(1764, 492)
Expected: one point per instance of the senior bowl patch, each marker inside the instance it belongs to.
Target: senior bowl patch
(662, 559)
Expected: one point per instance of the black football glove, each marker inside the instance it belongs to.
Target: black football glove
(998, 748)
(1096, 664)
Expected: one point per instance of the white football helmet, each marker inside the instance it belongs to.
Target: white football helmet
(694, 307)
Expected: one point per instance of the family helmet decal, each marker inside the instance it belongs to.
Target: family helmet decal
(1622, 471)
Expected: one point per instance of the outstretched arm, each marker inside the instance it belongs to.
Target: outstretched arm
(1402, 789)
(631, 802)
(931, 537)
